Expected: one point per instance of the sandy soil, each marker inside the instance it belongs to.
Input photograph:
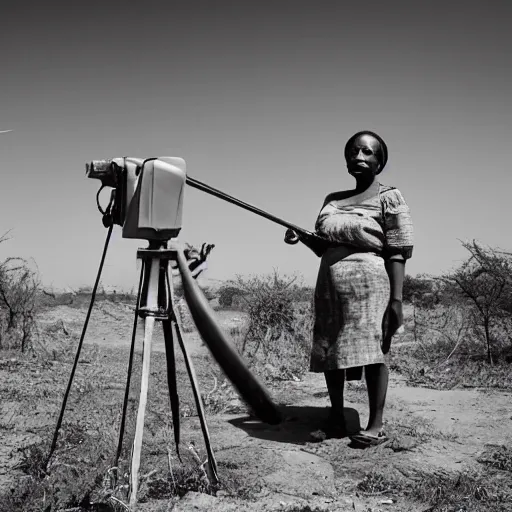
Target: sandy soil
(431, 431)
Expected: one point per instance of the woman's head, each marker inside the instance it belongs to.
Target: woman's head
(365, 152)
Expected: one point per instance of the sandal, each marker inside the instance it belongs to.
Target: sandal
(366, 439)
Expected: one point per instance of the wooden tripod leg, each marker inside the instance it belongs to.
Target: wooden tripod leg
(171, 381)
(176, 332)
(211, 463)
(128, 375)
(152, 303)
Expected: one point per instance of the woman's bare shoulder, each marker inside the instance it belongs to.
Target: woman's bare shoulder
(339, 195)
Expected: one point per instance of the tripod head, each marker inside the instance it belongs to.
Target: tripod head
(147, 195)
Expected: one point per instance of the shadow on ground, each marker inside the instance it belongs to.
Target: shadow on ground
(297, 425)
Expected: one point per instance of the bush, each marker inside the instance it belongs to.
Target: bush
(465, 314)
(19, 288)
(421, 291)
(446, 350)
(226, 295)
(484, 280)
(277, 338)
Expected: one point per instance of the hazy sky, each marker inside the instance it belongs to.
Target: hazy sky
(259, 98)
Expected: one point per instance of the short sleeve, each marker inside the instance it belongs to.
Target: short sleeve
(397, 224)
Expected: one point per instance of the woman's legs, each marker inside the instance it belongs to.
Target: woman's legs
(334, 427)
(377, 384)
(335, 380)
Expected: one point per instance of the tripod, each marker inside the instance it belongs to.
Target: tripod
(146, 200)
(156, 302)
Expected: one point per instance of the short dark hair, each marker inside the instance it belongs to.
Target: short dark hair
(382, 154)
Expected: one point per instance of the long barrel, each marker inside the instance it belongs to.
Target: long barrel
(247, 384)
(233, 200)
(102, 170)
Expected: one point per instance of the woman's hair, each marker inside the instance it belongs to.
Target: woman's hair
(382, 153)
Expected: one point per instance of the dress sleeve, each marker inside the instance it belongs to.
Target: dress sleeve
(326, 210)
(397, 224)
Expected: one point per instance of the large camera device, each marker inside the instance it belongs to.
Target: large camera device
(147, 195)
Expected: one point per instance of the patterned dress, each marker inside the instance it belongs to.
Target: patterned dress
(353, 290)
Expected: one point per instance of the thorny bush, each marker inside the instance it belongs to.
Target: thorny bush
(19, 287)
(278, 334)
(484, 280)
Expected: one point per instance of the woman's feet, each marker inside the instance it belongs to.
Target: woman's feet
(370, 437)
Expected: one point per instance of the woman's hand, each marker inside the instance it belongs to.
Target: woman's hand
(311, 240)
(290, 237)
(392, 321)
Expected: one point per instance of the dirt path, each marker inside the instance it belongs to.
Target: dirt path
(475, 417)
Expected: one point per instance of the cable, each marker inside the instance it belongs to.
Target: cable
(130, 369)
(102, 211)
(171, 359)
(77, 356)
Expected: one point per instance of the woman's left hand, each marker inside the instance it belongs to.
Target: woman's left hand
(290, 237)
(392, 321)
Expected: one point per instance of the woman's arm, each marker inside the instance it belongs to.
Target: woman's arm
(316, 243)
(398, 248)
(395, 267)
(393, 317)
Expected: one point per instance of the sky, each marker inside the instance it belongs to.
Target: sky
(259, 98)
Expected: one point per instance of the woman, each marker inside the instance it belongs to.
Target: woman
(358, 295)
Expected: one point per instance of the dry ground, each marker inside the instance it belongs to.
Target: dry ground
(441, 440)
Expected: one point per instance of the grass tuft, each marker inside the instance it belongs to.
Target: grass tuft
(499, 457)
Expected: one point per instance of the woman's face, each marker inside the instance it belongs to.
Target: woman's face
(363, 160)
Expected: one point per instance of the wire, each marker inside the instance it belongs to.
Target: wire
(130, 368)
(98, 200)
(77, 356)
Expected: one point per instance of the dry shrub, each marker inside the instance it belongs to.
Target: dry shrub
(499, 457)
(227, 294)
(484, 280)
(75, 475)
(277, 338)
(440, 331)
(375, 483)
(465, 491)
(19, 286)
(446, 349)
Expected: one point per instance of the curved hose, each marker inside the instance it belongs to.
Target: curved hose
(249, 387)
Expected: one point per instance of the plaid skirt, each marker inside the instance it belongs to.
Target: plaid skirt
(351, 296)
